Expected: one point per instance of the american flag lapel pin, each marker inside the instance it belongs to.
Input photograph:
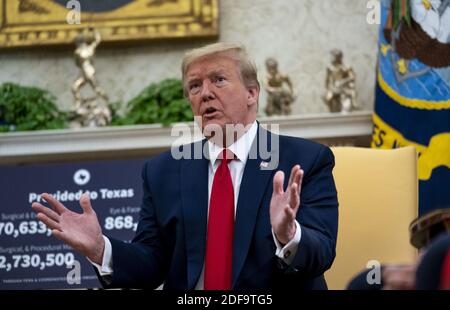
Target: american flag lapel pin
(263, 165)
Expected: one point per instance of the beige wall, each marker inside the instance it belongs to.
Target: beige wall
(299, 33)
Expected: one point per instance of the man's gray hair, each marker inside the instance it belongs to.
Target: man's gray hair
(237, 52)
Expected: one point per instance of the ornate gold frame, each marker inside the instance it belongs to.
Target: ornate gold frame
(44, 22)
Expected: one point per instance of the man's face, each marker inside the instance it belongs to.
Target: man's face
(217, 94)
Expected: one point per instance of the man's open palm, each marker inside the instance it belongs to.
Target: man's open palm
(284, 204)
(80, 231)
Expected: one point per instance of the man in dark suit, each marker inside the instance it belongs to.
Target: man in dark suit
(227, 219)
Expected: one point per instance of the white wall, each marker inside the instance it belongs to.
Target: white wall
(299, 33)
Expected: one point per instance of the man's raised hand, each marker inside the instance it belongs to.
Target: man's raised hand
(81, 231)
(284, 204)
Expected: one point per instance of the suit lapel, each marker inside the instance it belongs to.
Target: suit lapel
(253, 186)
(194, 195)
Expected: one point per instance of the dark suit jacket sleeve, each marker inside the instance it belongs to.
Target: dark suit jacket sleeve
(144, 262)
(318, 218)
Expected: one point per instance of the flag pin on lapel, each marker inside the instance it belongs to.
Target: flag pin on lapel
(263, 165)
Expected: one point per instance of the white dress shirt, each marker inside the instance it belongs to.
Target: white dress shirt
(241, 149)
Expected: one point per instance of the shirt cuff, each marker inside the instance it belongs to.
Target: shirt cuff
(287, 253)
(106, 268)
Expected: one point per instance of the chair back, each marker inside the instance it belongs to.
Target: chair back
(378, 199)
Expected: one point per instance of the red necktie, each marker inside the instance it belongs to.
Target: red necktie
(219, 241)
